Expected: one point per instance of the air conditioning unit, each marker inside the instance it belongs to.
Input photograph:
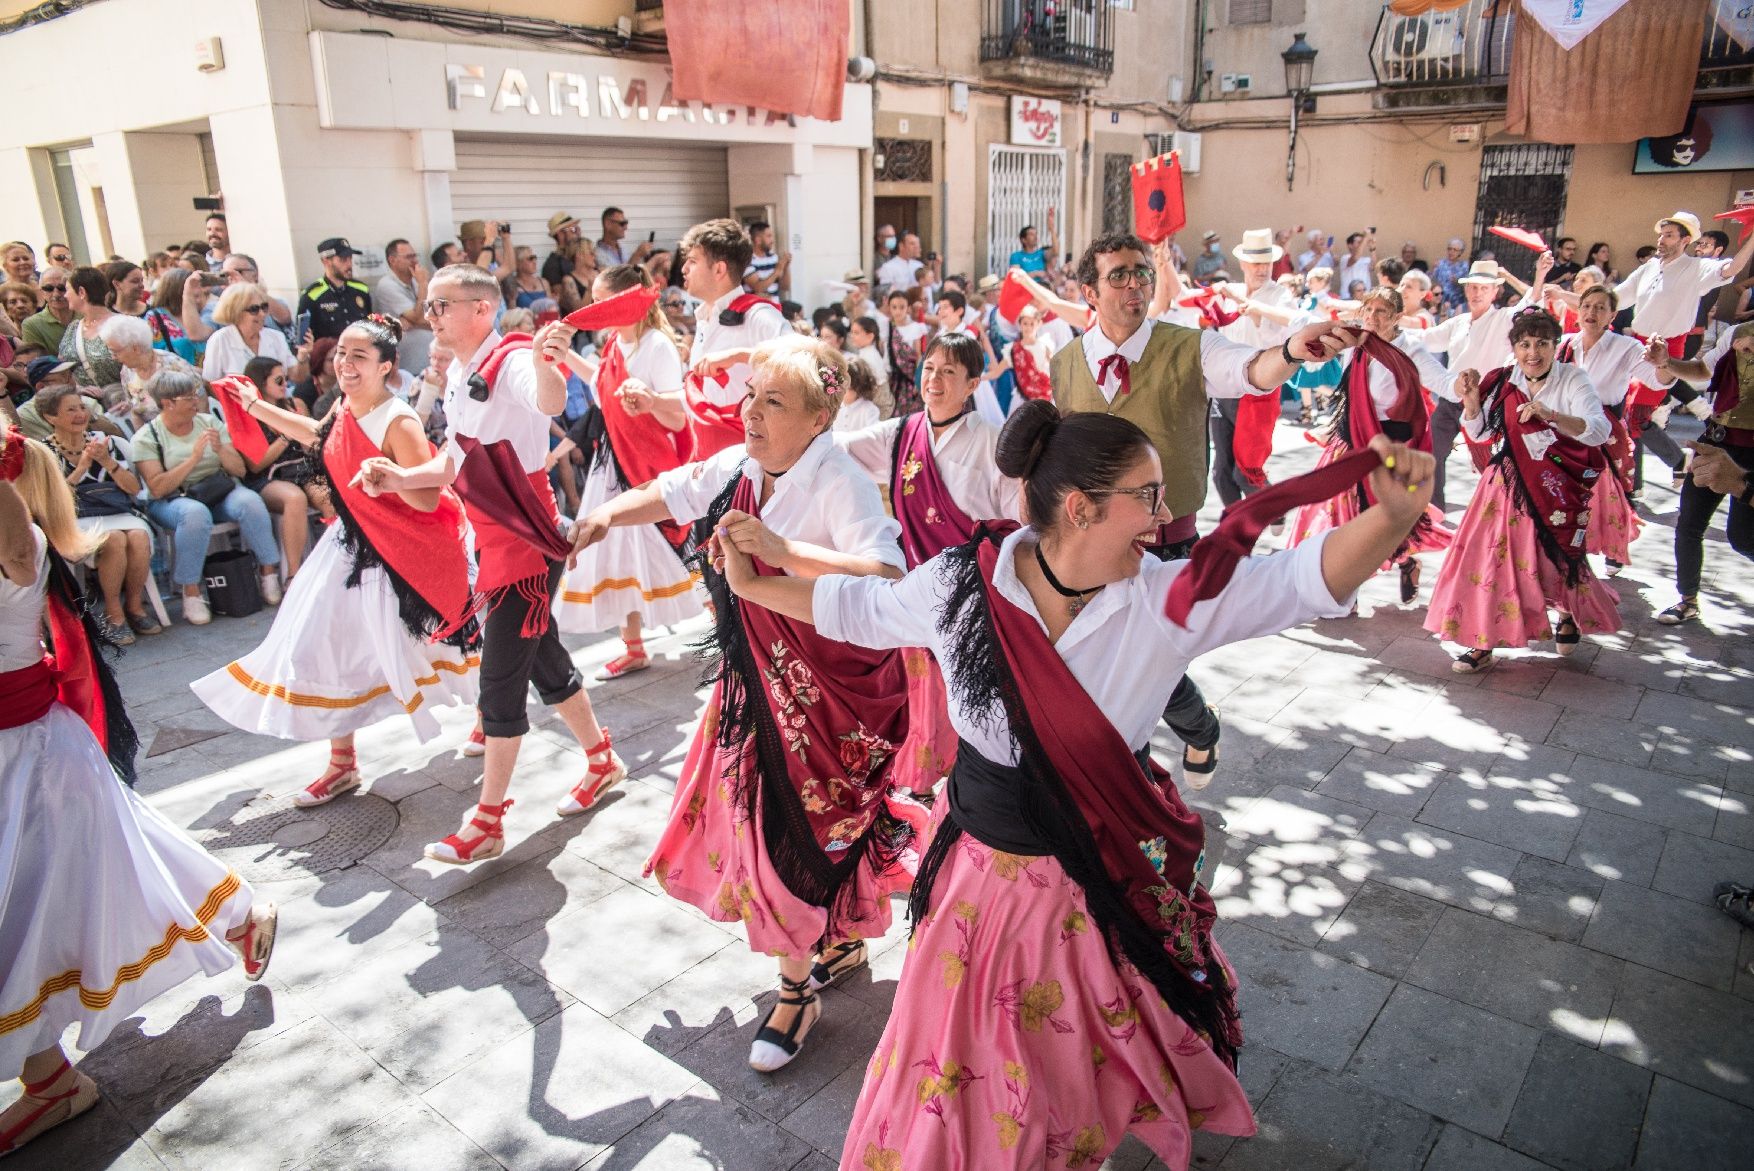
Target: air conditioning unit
(1418, 43)
(1186, 143)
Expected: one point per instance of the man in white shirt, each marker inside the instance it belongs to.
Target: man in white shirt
(1478, 340)
(1269, 317)
(1358, 264)
(401, 293)
(902, 271)
(714, 257)
(515, 409)
(1664, 291)
(1318, 254)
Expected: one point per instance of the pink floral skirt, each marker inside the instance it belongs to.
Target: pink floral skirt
(1344, 507)
(711, 855)
(1613, 523)
(1017, 1042)
(1496, 585)
(926, 755)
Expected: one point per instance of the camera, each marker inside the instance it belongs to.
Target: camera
(505, 227)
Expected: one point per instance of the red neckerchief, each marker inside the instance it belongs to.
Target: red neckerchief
(1362, 425)
(246, 434)
(1123, 373)
(931, 521)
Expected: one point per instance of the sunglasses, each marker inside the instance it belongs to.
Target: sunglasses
(53, 289)
(619, 223)
(262, 308)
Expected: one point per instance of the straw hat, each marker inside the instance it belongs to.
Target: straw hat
(987, 284)
(1257, 247)
(559, 220)
(856, 276)
(1483, 272)
(1685, 220)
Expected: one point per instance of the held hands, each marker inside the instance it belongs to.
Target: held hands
(1656, 352)
(636, 397)
(378, 475)
(1322, 340)
(744, 534)
(1538, 411)
(1468, 390)
(585, 532)
(1402, 483)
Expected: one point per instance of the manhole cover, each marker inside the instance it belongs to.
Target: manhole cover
(274, 840)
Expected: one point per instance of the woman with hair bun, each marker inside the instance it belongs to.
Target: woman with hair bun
(782, 816)
(1062, 987)
(378, 621)
(939, 466)
(1519, 550)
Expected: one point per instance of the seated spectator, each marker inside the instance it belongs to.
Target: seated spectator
(19, 262)
(239, 269)
(176, 314)
(191, 471)
(524, 286)
(88, 294)
(45, 327)
(242, 314)
(16, 374)
(282, 477)
(21, 302)
(127, 287)
(130, 340)
(104, 487)
(445, 255)
(321, 389)
(517, 321)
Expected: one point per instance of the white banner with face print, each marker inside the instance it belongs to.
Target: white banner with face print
(1570, 21)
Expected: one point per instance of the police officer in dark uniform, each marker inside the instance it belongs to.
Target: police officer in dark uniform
(336, 301)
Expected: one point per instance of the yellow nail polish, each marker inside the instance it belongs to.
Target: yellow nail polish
(1389, 462)
(1412, 487)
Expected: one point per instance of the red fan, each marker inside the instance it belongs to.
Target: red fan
(1013, 298)
(246, 434)
(624, 308)
(1521, 236)
(1743, 216)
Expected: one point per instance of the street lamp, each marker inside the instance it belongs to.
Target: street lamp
(1299, 72)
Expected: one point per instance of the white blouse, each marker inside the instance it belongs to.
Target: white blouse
(967, 461)
(21, 613)
(1121, 648)
(855, 416)
(1613, 364)
(227, 353)
(1383, 391)
(1567, 389)
(825, 498)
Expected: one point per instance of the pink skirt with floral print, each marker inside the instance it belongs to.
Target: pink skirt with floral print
(1345, 507)
(711, 856)
(1613, 523)
(1496, 585)
(1017, 1042)
(925, 757)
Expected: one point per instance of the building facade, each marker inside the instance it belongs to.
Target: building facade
(1404, 132)
(320, 119)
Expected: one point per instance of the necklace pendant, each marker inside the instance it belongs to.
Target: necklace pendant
(1076, 606)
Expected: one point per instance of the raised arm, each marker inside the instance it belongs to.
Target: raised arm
(1070, 311)
(1354, 552)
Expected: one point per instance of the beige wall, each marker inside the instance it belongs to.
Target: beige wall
(1339, 30)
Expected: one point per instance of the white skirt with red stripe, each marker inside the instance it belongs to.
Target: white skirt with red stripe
(632, 570)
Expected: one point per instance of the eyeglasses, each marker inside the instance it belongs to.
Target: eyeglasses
(619, 223)
(53, 289)
(262, 308)
(1150, 495)
(438, 307)
(1120, 278)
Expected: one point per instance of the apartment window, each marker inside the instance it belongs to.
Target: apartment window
(1251, 11)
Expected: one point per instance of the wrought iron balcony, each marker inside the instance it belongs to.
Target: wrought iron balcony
(1054, 42)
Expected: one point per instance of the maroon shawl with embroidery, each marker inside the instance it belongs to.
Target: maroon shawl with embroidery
(517, 528)
(1619, 446)
(1726, 387)
(930, 520)
(815, 724)
(1553, 488)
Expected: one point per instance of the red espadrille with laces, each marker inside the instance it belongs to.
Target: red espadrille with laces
(60, 1097)
(635, 659)
(341, 776)
(489, 842)
(605, 773)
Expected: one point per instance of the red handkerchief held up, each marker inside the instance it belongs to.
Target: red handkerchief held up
(1521, 236)
(246, 436)
(624, 308)
(1013, 298)
(1744, 217)
(1158, 209)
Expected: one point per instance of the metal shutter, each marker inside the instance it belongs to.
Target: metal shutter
(666, 187)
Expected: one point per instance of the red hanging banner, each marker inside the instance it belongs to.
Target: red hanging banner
(1158, 210)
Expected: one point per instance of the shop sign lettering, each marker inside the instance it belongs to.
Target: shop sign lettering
(564, 94)
(1035, 122)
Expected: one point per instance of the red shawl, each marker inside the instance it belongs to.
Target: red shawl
(422, 552)
(1619, 445)
(931, 521)
(1252, 443)
(711, 427)
(816, 724)
(1553, 488)
(1032, 380)
(643, 446)
(1409, 408)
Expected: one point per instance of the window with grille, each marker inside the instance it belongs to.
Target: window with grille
(1021, 185)
(1251, 11)
(904, 160)
(1522, 185)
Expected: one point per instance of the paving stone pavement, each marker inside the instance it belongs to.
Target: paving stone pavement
(1471, 919)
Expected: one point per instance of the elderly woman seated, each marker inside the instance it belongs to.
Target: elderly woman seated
(130, 340)
(191, 472)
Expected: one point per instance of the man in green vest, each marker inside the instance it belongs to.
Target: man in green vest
(1162, 378)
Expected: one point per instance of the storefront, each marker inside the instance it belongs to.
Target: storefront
(313, 131)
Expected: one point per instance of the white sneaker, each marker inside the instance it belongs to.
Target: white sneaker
(270, 589)
(195, 611)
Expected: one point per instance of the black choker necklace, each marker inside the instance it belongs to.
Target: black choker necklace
(946, 422)
(1079, 601)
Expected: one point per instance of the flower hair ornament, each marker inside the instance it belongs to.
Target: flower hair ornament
(830, 378)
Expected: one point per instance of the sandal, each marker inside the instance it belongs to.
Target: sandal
(1566, 635)
(1614, 567)
(773, 1049)
(254, 941)
(1409, 581)
(1472, 662)
(455, 851)
(635, 659)
(1733, 899)
(1686, 610)
(343, 776)
(46, 1110)
(1197, 774)
(476, 745)
(603, 775)
(842, 960)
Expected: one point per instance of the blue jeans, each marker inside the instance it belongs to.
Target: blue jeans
(193, 525)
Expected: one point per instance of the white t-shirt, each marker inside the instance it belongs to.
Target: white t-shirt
(898, 272)
(1666, 296)
(856, 416)
(227, 354)
(510, 412)
(760, 324)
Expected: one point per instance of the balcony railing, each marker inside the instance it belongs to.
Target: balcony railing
(1471, 44)
(1076, 35)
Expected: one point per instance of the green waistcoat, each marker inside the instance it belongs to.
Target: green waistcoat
(1168, 403)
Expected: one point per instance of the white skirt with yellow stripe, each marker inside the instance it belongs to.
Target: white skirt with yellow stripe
(103, 903)
(632, 570)
(338, 659)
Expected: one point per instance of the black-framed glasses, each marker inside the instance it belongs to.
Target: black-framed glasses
(1150, 495)
(437, 308)
(1120, 278)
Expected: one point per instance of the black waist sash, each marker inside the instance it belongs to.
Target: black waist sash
(989, 801)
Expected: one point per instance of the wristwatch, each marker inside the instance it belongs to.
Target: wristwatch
(1285, 352)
